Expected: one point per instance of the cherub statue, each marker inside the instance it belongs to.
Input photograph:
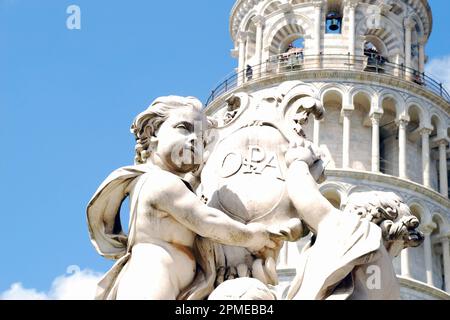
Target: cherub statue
(157, 259)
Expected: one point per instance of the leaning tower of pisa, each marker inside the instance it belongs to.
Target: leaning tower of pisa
(387, 123)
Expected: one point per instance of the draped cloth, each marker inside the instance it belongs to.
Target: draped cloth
(326, 266)
(107, 236)
(105, 229)
(208, 255)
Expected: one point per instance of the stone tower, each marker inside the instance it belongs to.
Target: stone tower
(387, 123)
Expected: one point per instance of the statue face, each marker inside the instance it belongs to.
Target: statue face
(180, 143)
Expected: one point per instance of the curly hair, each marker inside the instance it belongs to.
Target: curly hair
(390, 213)
(147, 123)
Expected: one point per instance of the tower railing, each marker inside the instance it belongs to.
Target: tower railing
(297, 62)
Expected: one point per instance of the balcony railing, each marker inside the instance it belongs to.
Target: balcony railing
(286, 63)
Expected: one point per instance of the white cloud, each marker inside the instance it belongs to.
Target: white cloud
(82, 285)
(78, 285)
(439, 69)
(18, 292)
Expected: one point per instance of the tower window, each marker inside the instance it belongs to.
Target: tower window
(375, 58)
(334, 23)
(299, 43)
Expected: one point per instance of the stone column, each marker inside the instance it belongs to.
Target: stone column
(242, 38)
(402, 124)
(317, 24)
(446, 254)
(317, 132)
(398, 62)
(351, 8)
(406, 271)
(375, 118)
(428, 252)
(247, 48)
(409, 24)
(346, 139)
(259, 22)
(422, 56)
(443, 167)
(317, 32)
(425, 133)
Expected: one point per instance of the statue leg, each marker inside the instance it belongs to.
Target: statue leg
(155, 273)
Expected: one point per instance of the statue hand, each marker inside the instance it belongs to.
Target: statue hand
(291, 231)
(265, 271)
(262, 269)
(262, 239)
(303, 152)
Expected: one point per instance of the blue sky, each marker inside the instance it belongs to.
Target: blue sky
(67, 99)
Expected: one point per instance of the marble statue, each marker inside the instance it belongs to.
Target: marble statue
(245, 177)
(399, 231)
(212, 201)
(347, 271)
(157, 260)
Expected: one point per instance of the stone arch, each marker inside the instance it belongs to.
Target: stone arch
(416, 104)
(419, 210)
(283, 37)
(397, 98)
(295, 33)
(241, 12)
(269, 7)
(378, 43)
(417, 117)
(332, 97)
(361, 101)
(341, 89)
(392, 107)
(416, 38)
(365, 90)
(250, 28)
(247, 20)
(292, 27)
(419, 25)
(438, 125)
(335, 193)
(358, 189)
(441, 222)
(295, 2)
(334, 93)
(389, 36)
(437, 255)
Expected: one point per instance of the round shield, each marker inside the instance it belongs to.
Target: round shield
(249, 169)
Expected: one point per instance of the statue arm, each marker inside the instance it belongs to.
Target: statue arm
(303, 190)
(184, 206)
